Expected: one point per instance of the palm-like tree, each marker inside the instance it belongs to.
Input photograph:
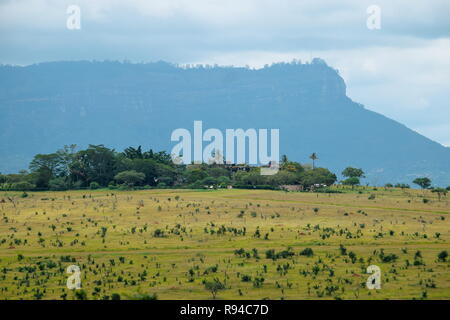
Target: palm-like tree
(313, 157)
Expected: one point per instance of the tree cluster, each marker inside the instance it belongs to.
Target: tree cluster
(98, 166)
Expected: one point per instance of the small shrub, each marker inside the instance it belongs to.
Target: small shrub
(442, 256)
(115, 296)
(308, 252)
(246, 278)
(81, 295)
(94, 185)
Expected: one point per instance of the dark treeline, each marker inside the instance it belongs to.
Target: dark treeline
(98, 166)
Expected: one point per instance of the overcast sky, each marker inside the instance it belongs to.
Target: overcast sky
(401, 70)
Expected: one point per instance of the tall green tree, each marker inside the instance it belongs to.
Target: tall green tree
(351, 172)
(351, 181)
(195, 174)
(353, 175)
(95, 164)
(133, 153)
(44, 167)
(424, 183)
(313, 157)
(317, 176)
(50, 162)
(130, 177)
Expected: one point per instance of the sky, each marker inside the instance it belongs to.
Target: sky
(401, 69)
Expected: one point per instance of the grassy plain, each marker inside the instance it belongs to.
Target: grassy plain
(167, 242)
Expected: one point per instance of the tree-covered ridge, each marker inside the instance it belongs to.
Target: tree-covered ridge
(99, 166)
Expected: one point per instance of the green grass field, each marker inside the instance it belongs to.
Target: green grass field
(167, 242)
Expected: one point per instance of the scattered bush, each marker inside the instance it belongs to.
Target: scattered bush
(442, 256)
(308, 252)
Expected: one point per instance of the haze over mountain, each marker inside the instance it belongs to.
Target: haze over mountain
(46, 106)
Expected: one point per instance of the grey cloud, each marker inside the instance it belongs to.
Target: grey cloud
(255, 32)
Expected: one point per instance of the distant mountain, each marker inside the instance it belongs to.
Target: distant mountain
(48, 105)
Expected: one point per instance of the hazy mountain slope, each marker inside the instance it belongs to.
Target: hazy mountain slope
(48, 105)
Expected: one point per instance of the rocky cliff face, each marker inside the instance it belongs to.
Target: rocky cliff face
(46, 106)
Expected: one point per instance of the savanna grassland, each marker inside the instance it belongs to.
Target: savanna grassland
(257, 243)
